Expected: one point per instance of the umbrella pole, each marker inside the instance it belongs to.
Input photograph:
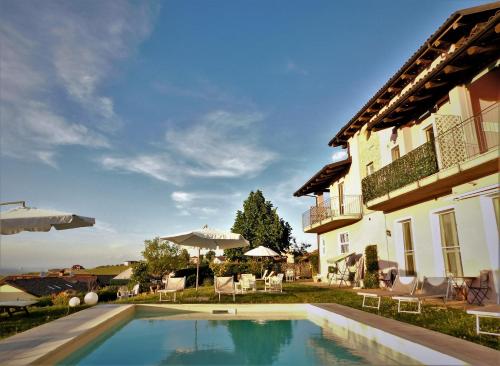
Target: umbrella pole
(197, 269)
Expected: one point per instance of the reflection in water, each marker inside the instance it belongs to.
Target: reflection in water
(255, 342)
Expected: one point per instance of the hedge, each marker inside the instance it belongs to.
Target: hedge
(418, 163)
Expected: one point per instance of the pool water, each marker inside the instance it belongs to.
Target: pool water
(221, 342)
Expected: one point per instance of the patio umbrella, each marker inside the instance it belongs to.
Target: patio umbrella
(35, 219)
(207, 238)
(261, 251)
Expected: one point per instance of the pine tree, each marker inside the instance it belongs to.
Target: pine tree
(260, 224)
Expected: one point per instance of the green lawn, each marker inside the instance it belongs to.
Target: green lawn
(450, 321)
(103, 270)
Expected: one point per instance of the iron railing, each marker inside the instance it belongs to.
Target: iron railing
(333, 207)
(456, 142)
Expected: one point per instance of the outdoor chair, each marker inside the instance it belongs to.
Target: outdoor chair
(403, 285)
(172, 286)
(276, 283)
(264, 275)
(488, 311)
(387, 276)
(480, 291)
(290, 275)
(225, 286)
(247, 283)
(124, 292)
(267, 281)
(432, 288)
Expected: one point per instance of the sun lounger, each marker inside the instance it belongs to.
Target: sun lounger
(488, 311)
(172, 286)
(123, 292)
(12, 307)
(225, 286)
(432, 288)
(403, 285)
(247, 283)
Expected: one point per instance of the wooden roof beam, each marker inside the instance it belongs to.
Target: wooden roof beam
(408, 76)
(417, 98)
(383, 100)
(450, 69)
(497, 28)
(389, 120)
(393, 89)
(475, 50)
(423, 61)
(404, 109)
(434, 84)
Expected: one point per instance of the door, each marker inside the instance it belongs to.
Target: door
(341, 198)
(450, 244)
(409, 251)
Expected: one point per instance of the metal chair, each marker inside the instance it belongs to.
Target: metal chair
(480, 292)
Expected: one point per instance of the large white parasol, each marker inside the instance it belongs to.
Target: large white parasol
(35, 219)
(261, 251)
(207, 238)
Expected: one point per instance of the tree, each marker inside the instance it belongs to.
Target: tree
(260, 224)
(140, 275)
(210, 256)
(163, 257)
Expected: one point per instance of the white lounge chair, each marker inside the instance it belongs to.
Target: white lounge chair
(290, 275)
(403, 285)
(432, 287)
(225, 286)
(172, 286)
(488, 311)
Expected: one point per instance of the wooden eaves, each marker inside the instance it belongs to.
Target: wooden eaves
(322, 180)
(473, 31)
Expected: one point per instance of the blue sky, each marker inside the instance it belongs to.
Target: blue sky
(160, 117)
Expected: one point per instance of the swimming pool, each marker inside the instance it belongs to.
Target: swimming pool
(157, 337)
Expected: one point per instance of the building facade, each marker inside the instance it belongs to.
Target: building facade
(421, 177)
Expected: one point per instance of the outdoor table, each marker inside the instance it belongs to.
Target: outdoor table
(461, 285)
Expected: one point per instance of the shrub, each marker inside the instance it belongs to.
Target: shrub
(190, 274)
(370, 280)
(44, 301)
(371, 256)
(107, 293)
(140, 275)
(61, 299)
(371, 275)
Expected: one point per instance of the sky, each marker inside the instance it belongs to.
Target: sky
(160, 117)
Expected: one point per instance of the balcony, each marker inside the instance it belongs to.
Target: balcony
(462, 151)
(332, 213)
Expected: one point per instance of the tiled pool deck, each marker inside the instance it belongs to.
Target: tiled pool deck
(53, 341)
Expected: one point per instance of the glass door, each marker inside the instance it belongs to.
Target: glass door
(450, 244)
(409, 251)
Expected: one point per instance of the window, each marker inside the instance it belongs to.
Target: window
(344, 243)
(323, 246)
(449, 243)
(409, 252)
(370, 169)
(395, 153)
(429, 133)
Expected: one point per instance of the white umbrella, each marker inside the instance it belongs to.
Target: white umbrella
(261, 251)
(35, 219)
(125, 275)
(208, 239)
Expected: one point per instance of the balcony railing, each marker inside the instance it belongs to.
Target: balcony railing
(464, 140)
(456, 142)
(418, 163)
(331, 208)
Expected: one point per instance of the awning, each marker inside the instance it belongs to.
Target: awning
(339, 258)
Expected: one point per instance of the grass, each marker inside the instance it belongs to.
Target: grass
(103, 270)
(19, 322)
(454, 322)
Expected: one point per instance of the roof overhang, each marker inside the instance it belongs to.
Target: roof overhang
(322, 179)
(467, 42)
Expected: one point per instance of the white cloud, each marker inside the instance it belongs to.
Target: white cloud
(62, 52)
(339, 155)
(219, 145)
(182, 196)
(292, 68)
